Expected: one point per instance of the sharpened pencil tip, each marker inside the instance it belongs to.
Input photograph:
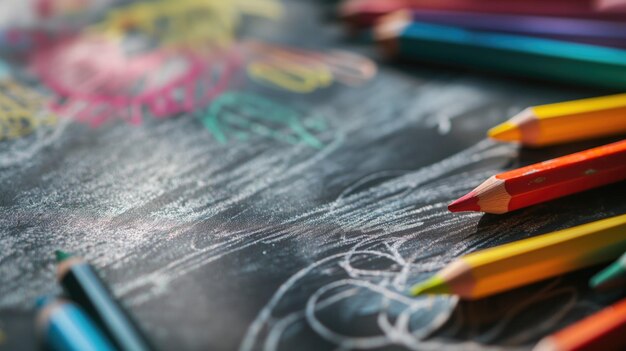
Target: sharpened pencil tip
(434, 285)
(506, 131)
(468, 202)
(387, 30)
(62, 255)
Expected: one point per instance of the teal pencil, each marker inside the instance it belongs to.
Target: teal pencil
(611, 275)
(81, 283)
(548, 59)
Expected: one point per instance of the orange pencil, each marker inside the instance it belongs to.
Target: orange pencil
(547, 180)
(604, 331)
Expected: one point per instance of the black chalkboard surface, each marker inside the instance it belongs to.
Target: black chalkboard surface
(275, 219)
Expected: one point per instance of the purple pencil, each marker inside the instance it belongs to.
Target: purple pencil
(590, 31)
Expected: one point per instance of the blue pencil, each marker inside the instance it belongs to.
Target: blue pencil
(63, 326)
(83, 285)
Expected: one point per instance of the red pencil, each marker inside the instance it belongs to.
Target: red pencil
(611, 5)
(364, 13)
(601, 331)
(547, 180)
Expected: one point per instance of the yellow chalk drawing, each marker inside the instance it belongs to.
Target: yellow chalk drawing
(22, 111)
(304, 71)
(270, 9)
(298, 77)
(186, 23)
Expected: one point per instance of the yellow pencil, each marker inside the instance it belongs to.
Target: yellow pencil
(505, 267)
(566, 121)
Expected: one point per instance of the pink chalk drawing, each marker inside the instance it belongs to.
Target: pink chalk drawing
(98, 78)
(19, 40)
(51, 8)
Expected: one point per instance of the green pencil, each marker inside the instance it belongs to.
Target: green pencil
(547, 59)
(611, 275)
(81, 283)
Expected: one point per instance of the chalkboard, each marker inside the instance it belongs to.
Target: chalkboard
(283, 217)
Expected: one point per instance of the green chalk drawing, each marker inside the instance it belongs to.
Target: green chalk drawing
(5, 70)
(239, 115)
(316, 123)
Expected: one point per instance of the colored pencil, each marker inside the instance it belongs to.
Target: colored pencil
(512, 265)
(525, 56)
(81, 283)
(365, 13)
(63, 326)
(547, 180)
(565, 122)
(591, 31)
(611, 275)
(611, 6)
(601, 331)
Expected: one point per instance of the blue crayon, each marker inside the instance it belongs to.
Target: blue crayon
(63, 326)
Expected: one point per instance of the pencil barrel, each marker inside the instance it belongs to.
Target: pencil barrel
(85, 287)
(63, 326)
(515, 55)
(601, 331)
(531, 260)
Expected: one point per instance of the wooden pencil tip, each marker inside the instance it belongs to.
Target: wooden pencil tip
(434, 285)
(506, 131)
(388, 28)
(469, 202)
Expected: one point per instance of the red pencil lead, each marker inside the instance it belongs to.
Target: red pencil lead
(468, 202)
